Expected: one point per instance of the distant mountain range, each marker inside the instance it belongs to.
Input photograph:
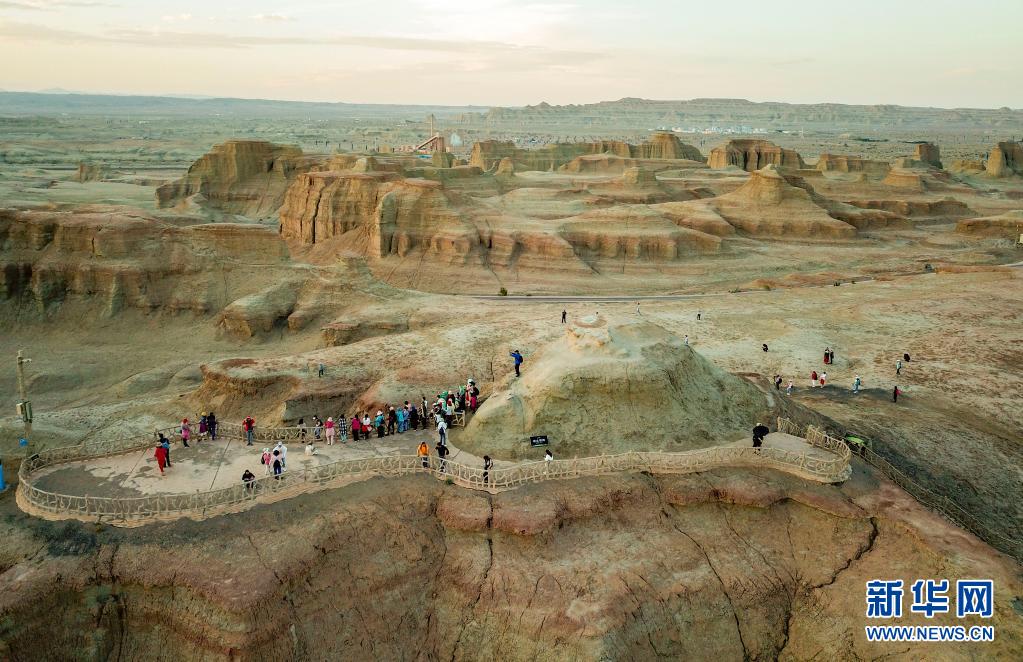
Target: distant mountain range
(628, 113)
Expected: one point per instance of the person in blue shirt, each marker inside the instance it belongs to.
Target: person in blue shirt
(518, 360)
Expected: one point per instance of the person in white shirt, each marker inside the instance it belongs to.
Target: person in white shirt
(442, 430)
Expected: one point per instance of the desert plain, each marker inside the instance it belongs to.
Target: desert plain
(162, 259)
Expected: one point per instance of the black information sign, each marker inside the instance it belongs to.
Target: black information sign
(538, 440)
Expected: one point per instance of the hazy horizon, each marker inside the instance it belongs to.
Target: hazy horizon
(503, 53)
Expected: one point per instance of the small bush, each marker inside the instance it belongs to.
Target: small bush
(767, 287)
(502, 292)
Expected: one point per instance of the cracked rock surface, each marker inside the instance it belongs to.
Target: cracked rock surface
(726, 564)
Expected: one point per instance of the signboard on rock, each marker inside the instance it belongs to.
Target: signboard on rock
(538, 440)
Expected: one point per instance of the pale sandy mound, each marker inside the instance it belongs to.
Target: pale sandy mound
(609, 389)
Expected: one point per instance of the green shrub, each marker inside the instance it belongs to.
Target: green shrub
(502, 292)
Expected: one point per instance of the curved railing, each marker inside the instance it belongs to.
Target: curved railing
(834, 468)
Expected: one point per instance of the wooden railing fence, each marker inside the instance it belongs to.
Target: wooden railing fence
(833, 468)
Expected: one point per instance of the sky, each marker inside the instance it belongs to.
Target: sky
(518, 52)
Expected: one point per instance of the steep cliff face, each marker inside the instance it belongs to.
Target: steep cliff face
(753, 155)
(1005, 160)
(726, 564)
(389, 215)
(127, 260)
(247, 177)
(928, 153)
(486, 154)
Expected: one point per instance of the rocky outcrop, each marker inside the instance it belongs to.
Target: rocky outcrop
(751, 155)
(928, 153)
(378, 210)
(129, 260)
(683, 400)
(726, 564)
(1006, 226)
(1005, 160)
(843, 163)
(247, 177)
(946, 208)
(486, 154)
(773, 204)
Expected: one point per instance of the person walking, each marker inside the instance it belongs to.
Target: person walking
(788, 390)
(424, 454)
(637, 309)
(317, 428)
(827, 355)
(379, 421)
(356, 427)
(856, 384)
(488, 464)
(161, 457)
(831, 356)
(211, 424)
(442, 455)
(813, 379)
(896, 393)
(764, 346)
(564, 316)
(685, 341)
(518, 361)
(328, 429)
(321, 369)
(186, 432)
(267, 460)
(301, 429)
(341, 428)
(282, 450)
(249, 426)
(898, 367)
(203, 427)
(442, 431)
(367, 426)
(247, 478)
(277, 464)
(777, 382)
(547, 457)
(824, 379)
(165, 442)
(699, 315)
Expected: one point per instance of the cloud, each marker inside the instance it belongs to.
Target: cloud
(510, 55)
(51, 5)
(273, 17)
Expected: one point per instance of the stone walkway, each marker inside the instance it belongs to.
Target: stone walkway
(208, 465)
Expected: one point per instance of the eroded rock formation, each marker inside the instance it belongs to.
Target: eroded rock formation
(1005, 160)
(683, 400)
(486, 154)
(928, 153)
(129, 260)
(753, 155)
(844, 163)
(725, 564)
(1008, 226)
(239, 176)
